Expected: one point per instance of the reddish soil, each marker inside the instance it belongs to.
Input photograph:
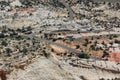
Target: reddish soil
(114, 56)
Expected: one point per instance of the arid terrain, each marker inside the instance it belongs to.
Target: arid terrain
(59, 40)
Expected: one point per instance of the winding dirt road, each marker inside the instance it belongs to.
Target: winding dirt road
(71, 17)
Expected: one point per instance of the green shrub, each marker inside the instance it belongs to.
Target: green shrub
(83, 55)
(4, 43)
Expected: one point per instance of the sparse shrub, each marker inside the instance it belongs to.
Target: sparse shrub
(86, 40)
(115, 36)
(47, 55)
(24, 51)
(105, 54)
(83, 78)
(92, 47)
(117, 41)
(8, 51)
(110, 37)
(2, 35)
(83, 55)
(4, 43)
(77, 46)
(102, 79)
(54, 40)
(52, 50)
(18, 37)
(103, 42)
(85, 44)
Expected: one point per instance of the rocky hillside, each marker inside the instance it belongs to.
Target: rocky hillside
(49, 40)
(44, 69)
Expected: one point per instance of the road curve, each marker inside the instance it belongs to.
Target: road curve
(71, 17)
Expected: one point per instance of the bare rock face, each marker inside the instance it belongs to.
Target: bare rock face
(44, 69)
(16, 3)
